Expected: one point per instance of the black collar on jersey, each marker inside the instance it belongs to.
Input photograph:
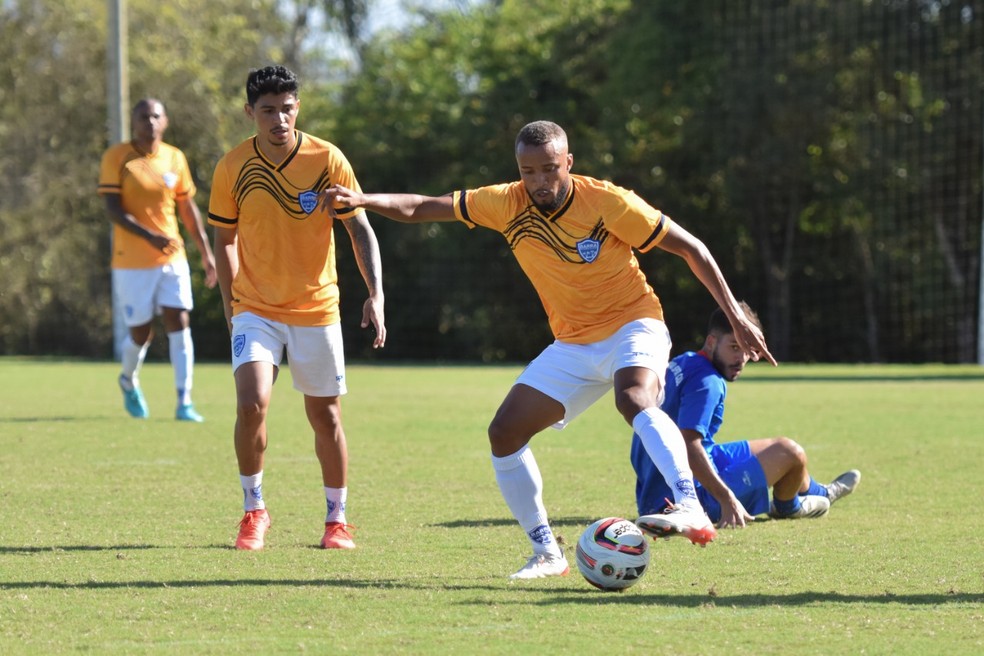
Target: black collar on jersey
(563, 208)
(280, 167)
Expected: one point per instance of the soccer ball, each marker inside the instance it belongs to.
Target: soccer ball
(612, 554)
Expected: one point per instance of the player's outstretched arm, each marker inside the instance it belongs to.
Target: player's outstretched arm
(733, 513)
(406, 208)
(680, 242)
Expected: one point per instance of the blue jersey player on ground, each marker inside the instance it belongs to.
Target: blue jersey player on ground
(733, 478)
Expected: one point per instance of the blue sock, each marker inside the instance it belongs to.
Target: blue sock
(787, 507)
(815, 489)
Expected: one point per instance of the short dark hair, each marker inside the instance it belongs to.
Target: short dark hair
(718, 324)
(538, 133)
(271, 79)
(147, 102)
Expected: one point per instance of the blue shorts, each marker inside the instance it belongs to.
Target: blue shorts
(741, 471)
(737, 467)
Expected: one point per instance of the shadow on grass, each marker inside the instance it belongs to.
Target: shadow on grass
(502, 521)
(77, 547)
(551, 596)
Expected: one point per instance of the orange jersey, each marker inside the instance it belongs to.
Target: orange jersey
(284, 242)
(579, 258)
(149, 185)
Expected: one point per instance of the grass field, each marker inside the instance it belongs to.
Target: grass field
(116, 534)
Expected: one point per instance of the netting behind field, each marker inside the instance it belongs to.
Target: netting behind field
(886, 97)
(829, 153)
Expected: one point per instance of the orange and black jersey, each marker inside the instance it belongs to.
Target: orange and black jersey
(149, 186)
(285, 246)
(579, 258)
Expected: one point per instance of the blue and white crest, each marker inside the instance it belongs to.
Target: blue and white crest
(170, 179)
(588, 249)
(308, 201)
(541, 534)
(238, 344)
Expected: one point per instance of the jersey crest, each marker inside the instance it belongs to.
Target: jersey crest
(308, 201)
(588, 249)
(170, 179)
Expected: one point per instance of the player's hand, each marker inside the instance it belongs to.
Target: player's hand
(733, 514)
(752, 341)
(372, 313)
(208, 265)
(164, 244)
(337, 194)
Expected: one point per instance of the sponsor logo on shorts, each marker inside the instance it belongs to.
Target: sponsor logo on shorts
(308, 201)
(746, 478)
(238, 344)
(588, 249)
(128, 310)
(541, 534)
(338, 379)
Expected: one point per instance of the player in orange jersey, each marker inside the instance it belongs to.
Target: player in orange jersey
(574, 238)
(275, 254)
(143, 182)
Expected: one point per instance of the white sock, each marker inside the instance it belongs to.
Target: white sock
(252, 491)
(665, 446)
(521, 486)
(335, 498)
(132, 356)
(182, 351)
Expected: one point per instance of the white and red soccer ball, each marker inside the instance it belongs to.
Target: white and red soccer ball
(613, 554)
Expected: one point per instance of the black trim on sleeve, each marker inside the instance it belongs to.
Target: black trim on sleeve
(656, 232)
(463, 208)
(222, 219)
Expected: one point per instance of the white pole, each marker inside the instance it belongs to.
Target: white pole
(118, 119)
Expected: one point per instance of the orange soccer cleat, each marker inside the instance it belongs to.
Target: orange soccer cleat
(252, 528)
(337, 536)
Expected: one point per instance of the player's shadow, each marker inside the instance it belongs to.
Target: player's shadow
(757, 600)
(555, 522)
(548, 596)
(56, 548)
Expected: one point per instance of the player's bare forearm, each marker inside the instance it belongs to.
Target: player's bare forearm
(405, 208)
(733, 513)
(680, 242)
(366, 249)
(226, 266)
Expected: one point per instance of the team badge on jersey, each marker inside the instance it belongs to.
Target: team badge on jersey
(588, 249)
(170, 179)
(308, 201)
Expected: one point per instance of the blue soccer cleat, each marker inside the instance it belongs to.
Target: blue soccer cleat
(187, 413)
(133, 400)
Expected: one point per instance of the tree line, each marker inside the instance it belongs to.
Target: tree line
(829, 154)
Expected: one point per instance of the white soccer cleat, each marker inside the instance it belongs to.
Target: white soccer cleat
(541, 566)
(843, 485)
(690, 523)
(811, 507)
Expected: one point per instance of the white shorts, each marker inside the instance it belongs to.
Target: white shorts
(577, 375)
(317, 362)
(143, 292)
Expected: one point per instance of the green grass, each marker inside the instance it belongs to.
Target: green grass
(116, 534)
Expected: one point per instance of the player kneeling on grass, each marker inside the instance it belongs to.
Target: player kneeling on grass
(733, 478)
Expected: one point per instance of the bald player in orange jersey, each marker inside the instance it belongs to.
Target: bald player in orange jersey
(574, 237)
(275, 254)
(146, 183)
